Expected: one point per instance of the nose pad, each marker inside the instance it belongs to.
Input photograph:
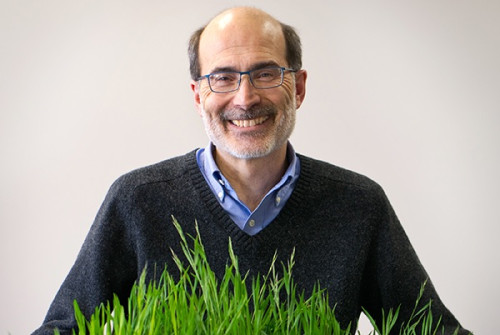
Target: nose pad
(246, 95)
(245, 80)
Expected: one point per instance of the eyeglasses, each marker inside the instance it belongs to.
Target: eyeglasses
(229, 81)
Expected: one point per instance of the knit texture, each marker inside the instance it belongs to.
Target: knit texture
(345, 234)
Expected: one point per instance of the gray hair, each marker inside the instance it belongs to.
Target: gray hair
(292, 43)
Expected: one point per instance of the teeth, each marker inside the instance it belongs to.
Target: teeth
(249, 123)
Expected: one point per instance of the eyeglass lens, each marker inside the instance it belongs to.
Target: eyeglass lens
(260, 78)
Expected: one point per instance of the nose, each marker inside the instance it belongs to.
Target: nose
(246, 96)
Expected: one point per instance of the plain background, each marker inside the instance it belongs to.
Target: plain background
(406, 92)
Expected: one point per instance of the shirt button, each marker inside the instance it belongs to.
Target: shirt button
(278, 200)
(251, 223)
(221, 195)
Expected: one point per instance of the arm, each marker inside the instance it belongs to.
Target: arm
(105, 265)
(395, 275)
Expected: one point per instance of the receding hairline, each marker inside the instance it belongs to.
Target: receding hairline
(292, 39)
(247, 10)
(219, 21)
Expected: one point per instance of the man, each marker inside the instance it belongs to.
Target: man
(249, 185)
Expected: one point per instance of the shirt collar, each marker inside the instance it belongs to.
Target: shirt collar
(220, 185)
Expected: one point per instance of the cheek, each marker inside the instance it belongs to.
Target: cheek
(212, 102)
(288, 90)
(211, 110)
(204, 94)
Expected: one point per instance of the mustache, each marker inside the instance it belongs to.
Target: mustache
(247, 114)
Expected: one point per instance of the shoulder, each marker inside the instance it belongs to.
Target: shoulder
(324, 172)
(337, 186)
(162, 172)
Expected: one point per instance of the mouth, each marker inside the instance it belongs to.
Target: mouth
(250, 122)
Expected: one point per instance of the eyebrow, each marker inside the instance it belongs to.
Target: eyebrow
(255, 66)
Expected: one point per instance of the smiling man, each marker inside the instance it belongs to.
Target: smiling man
(249, 185)
(248, 115)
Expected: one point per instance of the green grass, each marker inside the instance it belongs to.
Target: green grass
(198, 303)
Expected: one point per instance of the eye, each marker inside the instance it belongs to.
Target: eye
(223, 78)
(268, 74)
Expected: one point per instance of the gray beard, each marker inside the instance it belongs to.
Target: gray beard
(282, 133)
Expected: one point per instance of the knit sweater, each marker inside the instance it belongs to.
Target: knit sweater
(343, 229)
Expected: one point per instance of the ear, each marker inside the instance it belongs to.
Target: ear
(300, 86)
(195, 87)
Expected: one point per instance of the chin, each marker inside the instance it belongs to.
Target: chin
(251, 152)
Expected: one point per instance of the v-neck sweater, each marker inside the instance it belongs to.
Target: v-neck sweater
(341, 225)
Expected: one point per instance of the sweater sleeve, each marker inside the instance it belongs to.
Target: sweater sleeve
(396, 275)
(105, 266)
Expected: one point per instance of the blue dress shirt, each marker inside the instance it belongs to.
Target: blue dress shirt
(269, 207)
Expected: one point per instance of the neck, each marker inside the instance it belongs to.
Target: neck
(252, 178)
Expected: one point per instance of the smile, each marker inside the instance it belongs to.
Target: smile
(249, 123)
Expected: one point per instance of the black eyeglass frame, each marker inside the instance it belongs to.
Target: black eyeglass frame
(249, 73)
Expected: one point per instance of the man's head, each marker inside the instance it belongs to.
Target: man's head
(292, 43)
(248, 122)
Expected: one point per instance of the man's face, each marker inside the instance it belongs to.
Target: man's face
(248, 123)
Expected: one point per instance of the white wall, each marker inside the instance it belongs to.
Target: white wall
(404, 92)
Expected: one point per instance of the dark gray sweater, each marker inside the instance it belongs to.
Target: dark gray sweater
(345, 233)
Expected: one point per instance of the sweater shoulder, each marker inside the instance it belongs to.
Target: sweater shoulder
(327, 172)
(164, 171)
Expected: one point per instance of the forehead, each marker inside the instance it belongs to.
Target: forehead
(240, 42)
